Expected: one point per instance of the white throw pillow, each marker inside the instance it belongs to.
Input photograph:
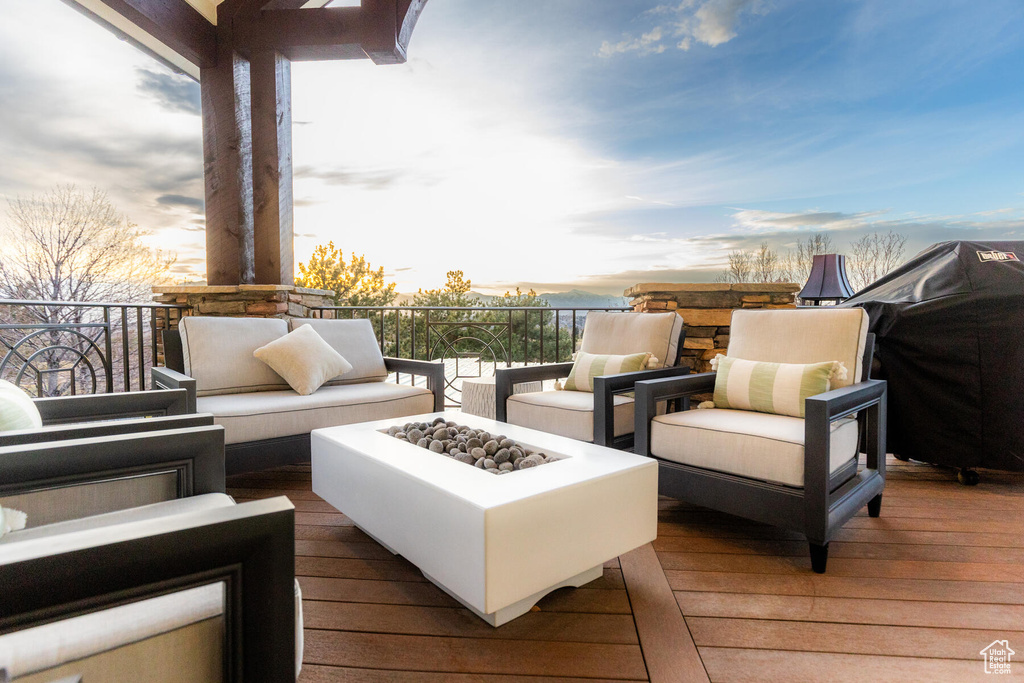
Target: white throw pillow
(304, 359)
(17, 411)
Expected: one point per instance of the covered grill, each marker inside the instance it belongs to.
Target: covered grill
(949, 329)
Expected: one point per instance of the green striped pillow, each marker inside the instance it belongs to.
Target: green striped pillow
(778, 388)
(587, 366)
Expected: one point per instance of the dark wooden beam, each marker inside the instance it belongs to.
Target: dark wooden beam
(227, 159)
(176, 24)
(305, 34)
(270, 78)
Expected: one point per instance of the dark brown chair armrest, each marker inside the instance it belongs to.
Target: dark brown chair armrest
(506, 378)
(432, 370)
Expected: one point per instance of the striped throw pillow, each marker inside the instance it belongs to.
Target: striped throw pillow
(587, 366)
(778, 388)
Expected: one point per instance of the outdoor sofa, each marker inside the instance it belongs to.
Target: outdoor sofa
(266, 422)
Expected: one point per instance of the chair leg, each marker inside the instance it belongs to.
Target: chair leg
(819, 557)
(875, 506)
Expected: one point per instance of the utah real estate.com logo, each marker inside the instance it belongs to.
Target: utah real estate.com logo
(997, 657)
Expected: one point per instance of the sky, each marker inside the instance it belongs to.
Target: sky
(587, 144)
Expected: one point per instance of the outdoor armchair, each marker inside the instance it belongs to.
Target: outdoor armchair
(604, 417)
(106, 414)
(792, 472)
(135, 565)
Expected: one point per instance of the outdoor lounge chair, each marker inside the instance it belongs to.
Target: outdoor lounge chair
(604, 417)
(105, 415)
(192, 587)
(797, 473)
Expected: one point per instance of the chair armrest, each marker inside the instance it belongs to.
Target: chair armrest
(84, 430)
(606, 386)
(506, 378)
(165, 378)
(868, 399)
(250, 547)
(196, 454)
(651, 392)
(432, 370)
(67, 409)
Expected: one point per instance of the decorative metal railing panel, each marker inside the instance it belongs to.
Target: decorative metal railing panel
(54, 348)
(472, 341)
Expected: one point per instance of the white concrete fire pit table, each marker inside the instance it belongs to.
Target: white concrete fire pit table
(497, 544)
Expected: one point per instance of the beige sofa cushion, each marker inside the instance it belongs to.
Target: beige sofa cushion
(356, 341)
(802, 336)
(218, 354)
(304, 359)
(566, 413)
(749, 444)
(625, 333)
(271, 414)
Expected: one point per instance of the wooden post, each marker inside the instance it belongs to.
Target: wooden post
(270, 77)
(227, 160)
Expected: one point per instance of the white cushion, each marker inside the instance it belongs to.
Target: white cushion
(566, 413)
(748, 444)
(356, 341)
(44, 647)
(270, 414)
(802, 336)
(218, 354)
(304, 359)
(206, 501)
(625, 333)
(17, 410)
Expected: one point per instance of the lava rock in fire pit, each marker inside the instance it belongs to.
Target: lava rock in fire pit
(496, 454)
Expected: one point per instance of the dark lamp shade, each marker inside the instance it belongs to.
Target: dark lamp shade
(828, 279)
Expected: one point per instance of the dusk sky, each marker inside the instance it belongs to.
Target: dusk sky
(567, 143)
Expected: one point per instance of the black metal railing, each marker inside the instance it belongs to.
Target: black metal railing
(55, 348)
(472, 340)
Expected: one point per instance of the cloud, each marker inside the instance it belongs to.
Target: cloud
(709, 22)
(172, 91)
(193, 203)
(370, 180)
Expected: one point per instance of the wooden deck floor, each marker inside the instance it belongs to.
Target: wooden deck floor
(913, 595)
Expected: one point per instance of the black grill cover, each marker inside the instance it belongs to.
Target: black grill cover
(949, 329)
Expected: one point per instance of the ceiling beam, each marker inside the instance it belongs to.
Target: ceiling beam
(174, 23)
(305, 34)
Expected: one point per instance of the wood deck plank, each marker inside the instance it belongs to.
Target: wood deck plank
(668, 648)
(473, 655)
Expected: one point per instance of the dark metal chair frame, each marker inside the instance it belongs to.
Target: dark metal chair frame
(605, 389)
(249, 456)
(825, 503)
(249, 546)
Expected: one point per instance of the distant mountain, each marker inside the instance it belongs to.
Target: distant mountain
(577, 298)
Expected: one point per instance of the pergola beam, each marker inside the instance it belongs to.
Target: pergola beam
(174, 23)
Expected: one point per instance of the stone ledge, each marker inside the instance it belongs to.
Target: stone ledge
(237, 289)
(651, 287)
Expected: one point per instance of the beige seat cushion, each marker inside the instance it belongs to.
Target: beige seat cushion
(356, 341)
(625, 333)
(43, 647)
(566, 413)
(802, 336)
(749, 444)
(304, 359)
(218, 354)
(270, 414)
